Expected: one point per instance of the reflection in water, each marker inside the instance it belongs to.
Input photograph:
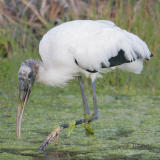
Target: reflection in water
(58, 155)
(46, 155)
(52, 154)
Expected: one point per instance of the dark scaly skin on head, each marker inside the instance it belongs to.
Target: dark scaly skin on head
(26, 76)
(33, 64)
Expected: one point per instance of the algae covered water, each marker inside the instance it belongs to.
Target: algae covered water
(127, 128)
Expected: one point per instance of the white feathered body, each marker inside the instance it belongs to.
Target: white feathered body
(89, 43)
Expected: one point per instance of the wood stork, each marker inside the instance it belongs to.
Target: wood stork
(80, 47)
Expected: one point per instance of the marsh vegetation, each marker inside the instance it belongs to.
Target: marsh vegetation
(128, 125)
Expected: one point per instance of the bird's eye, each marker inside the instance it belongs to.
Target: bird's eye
(30, 75)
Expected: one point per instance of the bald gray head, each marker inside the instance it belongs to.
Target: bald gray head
(26, 76)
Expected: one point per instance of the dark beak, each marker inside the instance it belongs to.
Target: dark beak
(24, 92)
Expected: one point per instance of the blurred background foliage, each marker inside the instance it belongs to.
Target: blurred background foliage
(23, 23)
(128, 127)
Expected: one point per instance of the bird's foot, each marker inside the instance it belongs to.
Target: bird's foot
(88, 129)
(57, 130)
(87, 126)
(54, 133)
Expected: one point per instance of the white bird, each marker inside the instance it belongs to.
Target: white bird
(80, 47)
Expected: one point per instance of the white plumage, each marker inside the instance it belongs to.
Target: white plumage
(82, 46)
(72, 48)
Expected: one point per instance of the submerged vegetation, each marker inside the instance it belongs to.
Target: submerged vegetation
(128, 127)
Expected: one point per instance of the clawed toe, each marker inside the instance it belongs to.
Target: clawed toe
(54, 133)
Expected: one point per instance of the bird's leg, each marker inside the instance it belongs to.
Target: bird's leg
(55, 133)
(84, 99)
(57, 130)
(95, 114)
(88, 128)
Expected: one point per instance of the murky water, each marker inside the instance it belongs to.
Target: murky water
(128, 125)
(128, 128)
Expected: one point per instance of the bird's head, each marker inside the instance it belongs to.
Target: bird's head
(27, 75)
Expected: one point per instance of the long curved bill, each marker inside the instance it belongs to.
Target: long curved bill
(23, 98)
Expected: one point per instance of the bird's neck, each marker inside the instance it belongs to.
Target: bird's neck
(53, 75)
